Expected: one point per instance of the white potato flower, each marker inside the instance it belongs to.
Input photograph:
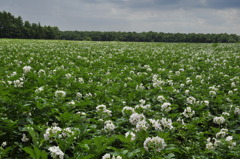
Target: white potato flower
(237, 111)
(156, 124)
(156, 143)
(60, 94)
(219, 120)
(68, 75)
(161, 98)
(212, 93)
(141, 125)
(18, 83)
(108, 156)
(191, 100)
(41, 72)
(188, 112)
(4, 144)
(128, 110)
(166, 123)
(27, 69)
(166, 107)
(222, 133)
(56, 152)
(24, 138)
(131, 134)
(109, 126)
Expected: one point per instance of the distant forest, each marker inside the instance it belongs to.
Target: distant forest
(15, 27)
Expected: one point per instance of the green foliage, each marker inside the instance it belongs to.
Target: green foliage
(12, 27)
(81, 99)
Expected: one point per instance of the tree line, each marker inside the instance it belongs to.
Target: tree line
(149, 37)
(15, 27)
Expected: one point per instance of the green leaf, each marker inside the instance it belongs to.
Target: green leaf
(33, 135)
(30, 151)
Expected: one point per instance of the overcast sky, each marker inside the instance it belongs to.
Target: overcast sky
(184, 16)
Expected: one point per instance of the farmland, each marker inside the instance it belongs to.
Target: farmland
(69, 99)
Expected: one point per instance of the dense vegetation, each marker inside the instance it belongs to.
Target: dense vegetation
(15, 27)
(149, 37)
(89, 100)
(11, 27)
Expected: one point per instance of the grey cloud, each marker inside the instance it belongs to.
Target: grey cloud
(131, 15)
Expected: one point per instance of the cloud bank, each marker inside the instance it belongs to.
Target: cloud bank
(185, 16)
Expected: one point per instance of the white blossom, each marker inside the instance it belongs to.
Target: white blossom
(141, 125)
(18, 83)
(135, 118)
(156, 143)
(218, 120)
(100, 108)
(26, 69)
(210, 146)
(161, 98)
(71, 102)
(237, 111)
(106, 156)
(226, 113)
(166, 107)
(212, 93)
(41, 72)
(109, 126)
(4, 144)
(40, 89)
(188, 112)
(131, 134)
(127, 110)
(56, 152)
(166, 123)
(191, 100)
(229, 138)
(68, 75)
(222, 133)
(230, 92)
(142, 101)
(187, 92)
(24, 138)
(231, 144)
(81, 113)
(60, 94)
(156, 124)
(206, 103)
(79, 95)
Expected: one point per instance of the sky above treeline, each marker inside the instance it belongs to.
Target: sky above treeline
(183, 16)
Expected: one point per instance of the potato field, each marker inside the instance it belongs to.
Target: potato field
(116, 100)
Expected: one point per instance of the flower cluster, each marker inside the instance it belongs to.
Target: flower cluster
(212, 143)
(108, 156)
(57, 132)
(131, 135)
(102, 110)
(188, 112)
(135, 118)
(109, 126)
(26, 69)
(155, 143)
(166, 123)
(166, 107)
(219, 120)
(128, 111)
(60, 94)
(222, 133)
(56, 152)
(156, 124)
(142, 106)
